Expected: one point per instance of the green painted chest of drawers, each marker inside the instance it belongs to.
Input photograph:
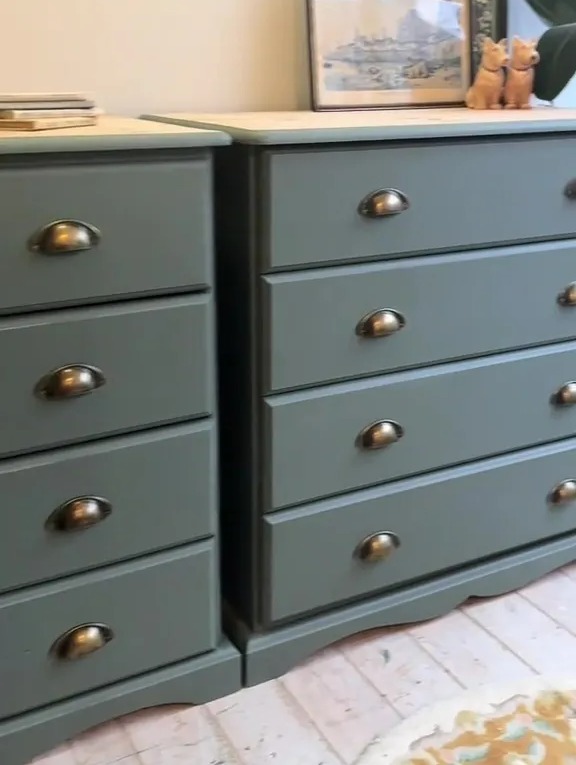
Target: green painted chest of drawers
(397, 357)
(109, 561)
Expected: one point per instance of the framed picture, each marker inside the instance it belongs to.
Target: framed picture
(488, 18)
(374, 54)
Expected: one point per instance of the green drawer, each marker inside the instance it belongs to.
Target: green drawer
(155, 357)
(143, 492)
(458, 194)
(154, 222)
(448, 414)
(446, 307)
(485, 509)
(161, 609)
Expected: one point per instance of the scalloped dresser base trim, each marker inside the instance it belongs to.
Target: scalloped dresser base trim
(271, 654)
(197, 681)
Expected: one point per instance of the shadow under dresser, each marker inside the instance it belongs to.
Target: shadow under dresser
(397, 359)
(109, 561)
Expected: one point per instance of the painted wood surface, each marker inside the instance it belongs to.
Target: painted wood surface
(328, 709)
(389, 124)
(109, 133)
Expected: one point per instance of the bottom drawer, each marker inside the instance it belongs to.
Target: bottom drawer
(315, 556)
(157, 610)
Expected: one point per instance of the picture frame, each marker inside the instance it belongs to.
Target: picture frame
(488, 18)
(379, 54)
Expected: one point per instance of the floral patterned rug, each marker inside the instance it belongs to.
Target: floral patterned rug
(534, 724)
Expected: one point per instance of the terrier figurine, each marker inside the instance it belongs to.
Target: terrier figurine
(520, 74)
(488, 86)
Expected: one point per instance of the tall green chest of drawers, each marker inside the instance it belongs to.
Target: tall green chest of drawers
(397, 356)
(109, 582)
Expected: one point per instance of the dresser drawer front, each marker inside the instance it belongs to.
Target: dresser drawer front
(141, 493)
(155, 358)
(448, 415)
(315, 557)
(154, 225)
(161, 610)
(458, 196)
(438, 308)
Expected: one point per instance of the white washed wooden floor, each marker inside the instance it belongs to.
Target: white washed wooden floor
(327, 711)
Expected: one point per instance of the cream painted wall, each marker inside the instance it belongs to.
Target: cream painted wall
(169, 55)
(160, 55)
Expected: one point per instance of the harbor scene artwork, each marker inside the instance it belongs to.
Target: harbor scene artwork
(389, 53)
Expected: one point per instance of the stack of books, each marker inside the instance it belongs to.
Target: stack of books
(46, 111)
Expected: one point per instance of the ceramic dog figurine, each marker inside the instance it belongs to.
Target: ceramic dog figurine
(520, 74)
(488, 87)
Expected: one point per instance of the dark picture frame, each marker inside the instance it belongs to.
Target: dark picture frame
(488, 18)
(423, 66)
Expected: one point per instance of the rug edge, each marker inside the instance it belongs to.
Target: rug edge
(440, 715)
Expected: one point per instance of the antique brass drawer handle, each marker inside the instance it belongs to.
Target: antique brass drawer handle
(70, 382)
(62, 237)
(566, 395)
(383, 203)
(79, 513)
(564, 493)
(570, 189)
(568, 296)
(379, 435)
(377, 547)
(81, 641)
(380, 323)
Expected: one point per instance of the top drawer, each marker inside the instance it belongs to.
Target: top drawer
(144, 228)
(458, 194)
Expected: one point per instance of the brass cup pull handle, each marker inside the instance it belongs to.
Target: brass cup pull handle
(377, 547)
(568, 296)
(79, 514)
(62, 237)
(380, 323)
(564, 493)
(566, 395)
(70, 382)
(570, 189)
(379, 435)
(81, 641)
(383, 203)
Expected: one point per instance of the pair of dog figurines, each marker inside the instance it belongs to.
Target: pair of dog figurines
(492, 87)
